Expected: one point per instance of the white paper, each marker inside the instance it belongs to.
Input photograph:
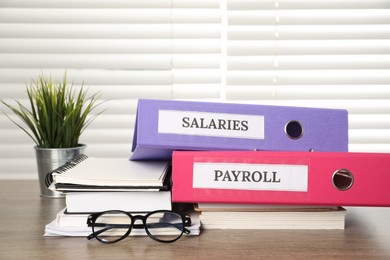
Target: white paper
(245, 176)
(211, 124)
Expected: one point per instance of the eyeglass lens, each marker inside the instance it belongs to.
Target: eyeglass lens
(112, 227)
(164, 226)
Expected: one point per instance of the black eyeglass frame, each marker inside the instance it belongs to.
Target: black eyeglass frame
(186, 220)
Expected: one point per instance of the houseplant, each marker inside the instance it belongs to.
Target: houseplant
(57, 115)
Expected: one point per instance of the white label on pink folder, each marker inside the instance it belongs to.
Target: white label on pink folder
(211, 124)
(243, 176)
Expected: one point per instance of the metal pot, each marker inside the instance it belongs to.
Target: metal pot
(49, 159)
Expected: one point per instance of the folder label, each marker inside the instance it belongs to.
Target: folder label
(243, 176)
(211, 124)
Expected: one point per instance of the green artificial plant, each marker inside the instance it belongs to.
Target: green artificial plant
(58, 113)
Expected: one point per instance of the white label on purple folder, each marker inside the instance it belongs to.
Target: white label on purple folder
(211, 124)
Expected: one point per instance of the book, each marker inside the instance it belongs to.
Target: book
(166, 125)
(236, 216)
(130, 201)
(240, 207)
(281, 178)
(67, 219)
(89, 173)
(71, 187)
(66, 224)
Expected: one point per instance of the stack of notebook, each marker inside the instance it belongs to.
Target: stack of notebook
(97, 184)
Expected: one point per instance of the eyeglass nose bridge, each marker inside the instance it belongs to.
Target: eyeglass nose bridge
(134, 219)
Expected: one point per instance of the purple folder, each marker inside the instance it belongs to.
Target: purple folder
(166, 125)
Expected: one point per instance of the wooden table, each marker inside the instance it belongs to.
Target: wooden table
(24, 214)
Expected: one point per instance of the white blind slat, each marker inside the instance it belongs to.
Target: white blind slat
(108, 16)
(196, 46)
(301, 77)
(85, 31)
(314, 17)
(85, 46)
(192, 91)
(87, 4)
(192, 76)
(369, 136)
(92, 61)
(371, 121)
(368, 148)
(84, 15)
(310, 47)
(310, 62)
(90, 76)
(299, 32)
(307, 4)
(12, 91)
(295, 92)
(199, 61)
(197, 31)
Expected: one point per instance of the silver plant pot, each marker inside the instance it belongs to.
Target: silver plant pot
(49, 159)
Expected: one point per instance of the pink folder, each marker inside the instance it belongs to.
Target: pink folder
(281, 178)
(166, 125)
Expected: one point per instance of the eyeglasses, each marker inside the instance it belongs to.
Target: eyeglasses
(114, 225)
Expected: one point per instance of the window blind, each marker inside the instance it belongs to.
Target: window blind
(289, 52)
(331, 54)
(124, 49)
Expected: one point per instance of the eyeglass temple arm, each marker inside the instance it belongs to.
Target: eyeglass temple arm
(179, 226)
(107, 227)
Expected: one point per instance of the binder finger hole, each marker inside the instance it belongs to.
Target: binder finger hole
(342, 179)
(294, 129)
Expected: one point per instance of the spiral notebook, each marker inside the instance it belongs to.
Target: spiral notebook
(91, 173)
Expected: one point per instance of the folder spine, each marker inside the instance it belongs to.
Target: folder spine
(163, 126)
(281, 178)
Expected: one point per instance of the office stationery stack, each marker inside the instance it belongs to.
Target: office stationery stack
(97, 184)
(242, 166)
(232, 155)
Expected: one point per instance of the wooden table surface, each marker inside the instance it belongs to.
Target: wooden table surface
(24, 214)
